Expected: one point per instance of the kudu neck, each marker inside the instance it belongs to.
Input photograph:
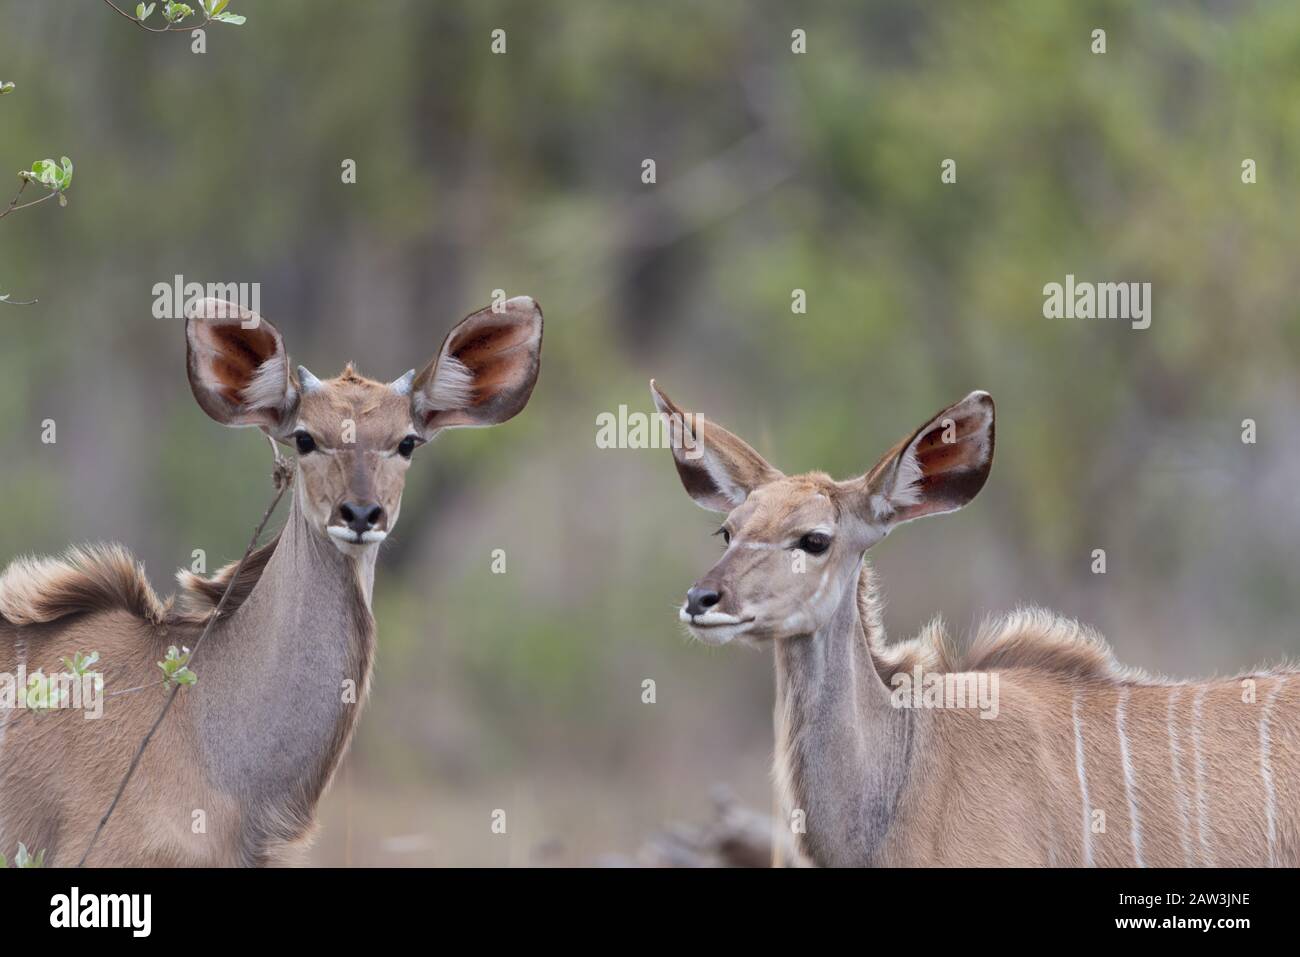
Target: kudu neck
(843, 749)
(841, 654)
(286, 673)
(305, 560)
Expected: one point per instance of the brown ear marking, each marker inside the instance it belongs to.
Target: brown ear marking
(717, 468)
(237, 365)
(947, 474)
(485, 371)
(239, 353)
(694, 477)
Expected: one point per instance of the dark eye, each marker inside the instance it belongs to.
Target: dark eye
(406, 447)
(304, 442)
(726, 536)
(814, 543)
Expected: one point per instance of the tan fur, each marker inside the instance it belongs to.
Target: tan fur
(1083, 762)
(234, 774)
(91, 578)
(1006, 791)
(200, 594)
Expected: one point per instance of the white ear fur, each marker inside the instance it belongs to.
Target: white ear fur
(267, 388)
(929, 477)
(905, 487)
(452, 387)
(237, 365)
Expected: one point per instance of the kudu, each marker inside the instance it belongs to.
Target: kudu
(249, 749)
(1071, 760)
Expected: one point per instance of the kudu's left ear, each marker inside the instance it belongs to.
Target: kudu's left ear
(938, 468)
(485, 371)
(238, 367)
(717, 469)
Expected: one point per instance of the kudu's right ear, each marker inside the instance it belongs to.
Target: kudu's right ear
(238, 367)
(717, 469)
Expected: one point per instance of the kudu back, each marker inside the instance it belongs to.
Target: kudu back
(234, 774)
(1033, 746)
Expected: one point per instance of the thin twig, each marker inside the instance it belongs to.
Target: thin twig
(174, 28)
(12, 207)
(13, 203)
(282, 483)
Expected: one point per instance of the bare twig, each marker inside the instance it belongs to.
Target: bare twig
(13, 203)
(281, 476)
(12, 207)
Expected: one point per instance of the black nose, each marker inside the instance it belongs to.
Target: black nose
(361, 516)
(701, 599)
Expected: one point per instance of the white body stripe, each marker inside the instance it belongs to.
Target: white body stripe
(1180, 790)
(1083, 782)
(1198, 760)
(1134, 826)
(1266, 772)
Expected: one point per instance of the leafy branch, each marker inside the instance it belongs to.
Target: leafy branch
(54, 177)
(175, 667)
(174, 14)
(24, 858)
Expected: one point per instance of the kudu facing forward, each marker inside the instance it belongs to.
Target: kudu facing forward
(1082, 761)
(250, 748)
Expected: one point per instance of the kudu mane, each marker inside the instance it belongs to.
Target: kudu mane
(1027, 639)
(89, 579)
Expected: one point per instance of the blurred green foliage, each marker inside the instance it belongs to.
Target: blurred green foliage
(775, 172)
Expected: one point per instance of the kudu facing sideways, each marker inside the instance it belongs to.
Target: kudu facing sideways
(1083, 761)
(284, 673)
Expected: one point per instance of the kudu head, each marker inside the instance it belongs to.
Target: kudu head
(353, 436)
(794, 543)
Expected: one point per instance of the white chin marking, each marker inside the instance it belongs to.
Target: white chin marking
(713, 627)
(709, 618)
(345, 540)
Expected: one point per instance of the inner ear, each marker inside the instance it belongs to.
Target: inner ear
(717, 468)
(485, 371)
(233, 360)
(938, 468)
(237, 366)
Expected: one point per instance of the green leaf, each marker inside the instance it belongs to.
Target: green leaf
(175, 12)
(24, 858)
(232, 18)
(174, 667)
(6, 86)
(80, 664)
(219, 6)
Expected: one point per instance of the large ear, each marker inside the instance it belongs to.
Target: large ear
(238, 367)
(718, 469)
(485, 370)
(938, 468)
